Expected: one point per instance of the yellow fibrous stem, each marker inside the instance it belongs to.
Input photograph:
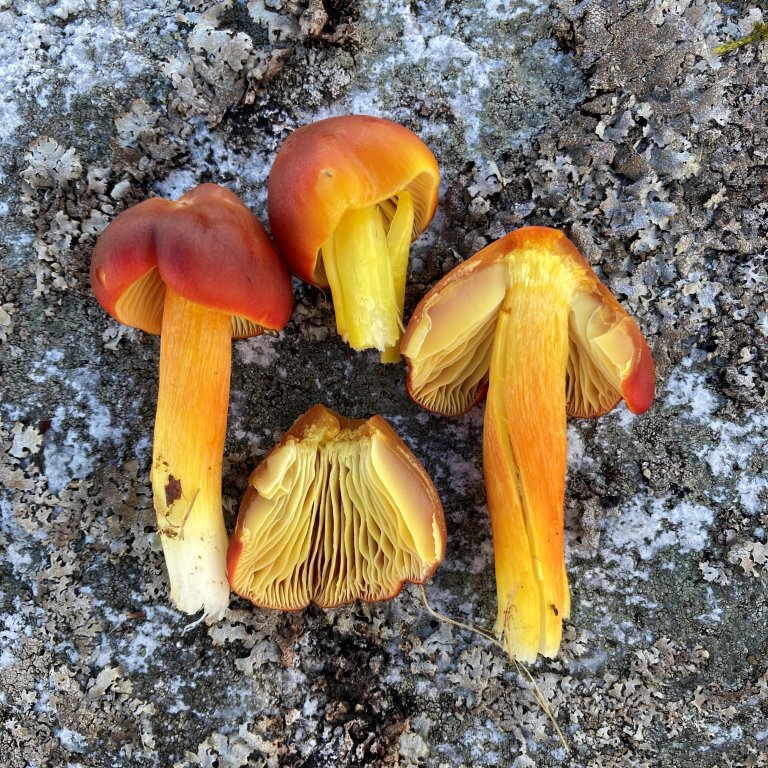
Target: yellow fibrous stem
(524, 455)
(366, 262)
(191, 421)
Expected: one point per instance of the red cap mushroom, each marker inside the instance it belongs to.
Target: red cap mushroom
(527, 320)
(346, 197)
(340, 510)
(198, 271)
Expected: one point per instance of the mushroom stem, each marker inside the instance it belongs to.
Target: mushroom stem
(399, 246)
(524, 455)
(366, 262)
(195, 364)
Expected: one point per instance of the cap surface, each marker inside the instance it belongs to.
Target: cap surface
(332, 165)
(340, 510)
(449, 338)
(207, 246)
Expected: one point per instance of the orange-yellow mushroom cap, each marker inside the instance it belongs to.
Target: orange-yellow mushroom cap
(447, 343)
(331, 166)
(340, 510)
(207, 246)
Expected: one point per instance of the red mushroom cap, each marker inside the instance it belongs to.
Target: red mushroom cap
(207, 246)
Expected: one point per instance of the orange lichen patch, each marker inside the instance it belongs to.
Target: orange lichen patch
(340, 510)
(526, 320)
(346, 197)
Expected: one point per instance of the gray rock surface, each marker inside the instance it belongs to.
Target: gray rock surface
(612, 119)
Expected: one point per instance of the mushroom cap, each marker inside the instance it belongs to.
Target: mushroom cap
(207, 246)
(332, 165)
(340, 510)
(449, 338)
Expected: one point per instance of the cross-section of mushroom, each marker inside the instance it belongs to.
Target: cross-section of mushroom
(527, 320)
(340, 510)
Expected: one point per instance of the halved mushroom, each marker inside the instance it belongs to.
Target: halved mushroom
(526, 320)
(340, 510)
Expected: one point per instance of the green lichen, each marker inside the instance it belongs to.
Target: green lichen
(759, 32)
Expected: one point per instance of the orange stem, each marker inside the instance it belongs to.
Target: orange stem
(190, 426)
(524, 455)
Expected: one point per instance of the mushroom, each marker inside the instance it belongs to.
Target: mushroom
(198, 271)
(346, 197)
(527, 320)
(339, 510)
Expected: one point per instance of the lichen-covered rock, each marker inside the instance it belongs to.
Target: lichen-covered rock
(613, 119)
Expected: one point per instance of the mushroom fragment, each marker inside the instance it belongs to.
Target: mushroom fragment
(527, 320)
(198, 271)
(339, 510)
(346, 197)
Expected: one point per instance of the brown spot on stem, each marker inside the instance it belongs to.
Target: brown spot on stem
(44, 425)
(172, 490)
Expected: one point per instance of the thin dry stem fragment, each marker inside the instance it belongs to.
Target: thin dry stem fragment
(521, 668)
(759, 32)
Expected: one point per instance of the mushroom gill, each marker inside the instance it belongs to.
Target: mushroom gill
(340, 510)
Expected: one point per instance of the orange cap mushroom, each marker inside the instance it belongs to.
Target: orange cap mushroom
(527, 320)
(346, 197)
(340, 510)
(198, 271)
